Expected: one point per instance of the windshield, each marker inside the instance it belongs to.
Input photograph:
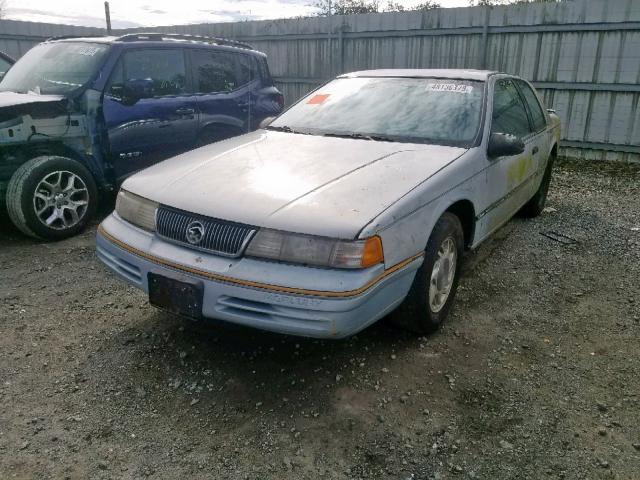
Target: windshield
(54, 68)
(423, 110)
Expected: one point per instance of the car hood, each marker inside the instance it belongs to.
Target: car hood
(300, 183)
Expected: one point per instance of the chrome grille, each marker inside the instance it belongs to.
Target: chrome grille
(219, 236)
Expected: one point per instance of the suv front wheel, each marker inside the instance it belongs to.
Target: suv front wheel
(51, 197)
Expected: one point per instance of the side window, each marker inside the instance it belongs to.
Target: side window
(214, 71)
(509, 114)
(247, 71)
(115, 85)
(263, 68)
(155, 72)
(539, 119)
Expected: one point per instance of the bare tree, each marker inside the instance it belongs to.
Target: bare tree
(351, 7)
(397, 7)
(508, 2)
(345, 7)
(3, 5)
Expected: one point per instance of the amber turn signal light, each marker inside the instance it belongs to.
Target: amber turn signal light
(372, 253)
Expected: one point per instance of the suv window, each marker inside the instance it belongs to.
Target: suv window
(248, 69)
(509, 114)
(217, 71)
(164, 68)
(537, 115)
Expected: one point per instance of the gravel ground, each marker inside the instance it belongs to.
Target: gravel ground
(534, 376)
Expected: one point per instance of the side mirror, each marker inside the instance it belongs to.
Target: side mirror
(266, 122)
(504, 145)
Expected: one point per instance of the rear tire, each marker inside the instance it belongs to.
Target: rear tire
(51, 198)
(436, 282)
(535, 206)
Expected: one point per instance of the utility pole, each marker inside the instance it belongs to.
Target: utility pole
(107, 16)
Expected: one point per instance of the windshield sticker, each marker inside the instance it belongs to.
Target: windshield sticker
(88, 51)
(318, 99)
(449, 87)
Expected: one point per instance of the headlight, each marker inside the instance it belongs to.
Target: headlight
(137, 210)
(317, 251)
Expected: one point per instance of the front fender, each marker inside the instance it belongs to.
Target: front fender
(406, 226)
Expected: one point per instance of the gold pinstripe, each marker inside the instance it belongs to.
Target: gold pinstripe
(248, 283)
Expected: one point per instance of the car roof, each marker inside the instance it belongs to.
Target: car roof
(457, 74)
(161, 39)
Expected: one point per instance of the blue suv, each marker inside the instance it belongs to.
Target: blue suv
(79, 115)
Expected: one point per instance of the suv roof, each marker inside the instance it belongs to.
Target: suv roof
(153, 37)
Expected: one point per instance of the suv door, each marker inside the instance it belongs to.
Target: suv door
(223, 82)
(148, 110)
(509, 178)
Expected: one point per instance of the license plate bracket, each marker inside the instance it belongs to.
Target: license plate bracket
(175, 296)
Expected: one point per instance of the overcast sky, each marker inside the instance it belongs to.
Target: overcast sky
(135, 13)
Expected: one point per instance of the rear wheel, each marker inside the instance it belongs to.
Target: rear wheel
(51, 197)
(436, 282)
(534, 207)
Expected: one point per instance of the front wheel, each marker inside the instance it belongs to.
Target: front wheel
(51, 197)
(434, 287)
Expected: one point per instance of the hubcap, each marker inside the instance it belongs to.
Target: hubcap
(61, 200)
(443, 274)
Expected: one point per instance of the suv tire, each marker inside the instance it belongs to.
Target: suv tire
(51, 197)
(436, 282)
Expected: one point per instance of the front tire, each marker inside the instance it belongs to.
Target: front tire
(434, 288)
(51, 198)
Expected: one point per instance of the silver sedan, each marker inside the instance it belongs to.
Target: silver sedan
(356, 203)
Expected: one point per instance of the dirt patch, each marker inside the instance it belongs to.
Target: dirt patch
(535, 375)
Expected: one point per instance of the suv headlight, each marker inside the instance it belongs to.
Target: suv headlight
(316, 251)
(137, 210)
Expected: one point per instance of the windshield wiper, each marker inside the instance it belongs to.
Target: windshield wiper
(284, 128)
(287, 129)
(362, 136)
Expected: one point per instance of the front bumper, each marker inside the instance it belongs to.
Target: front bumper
(267, 295)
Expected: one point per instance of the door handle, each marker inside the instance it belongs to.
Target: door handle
(185, 111)
(535, 150)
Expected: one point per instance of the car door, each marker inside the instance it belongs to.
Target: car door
(510, 179)
(541, 137)
(148, 110)
(223, 91)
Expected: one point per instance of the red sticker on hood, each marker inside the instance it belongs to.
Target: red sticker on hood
(318, 99)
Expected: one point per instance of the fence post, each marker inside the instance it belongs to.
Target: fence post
(329, 44)
(485, 37)
(341, 50)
